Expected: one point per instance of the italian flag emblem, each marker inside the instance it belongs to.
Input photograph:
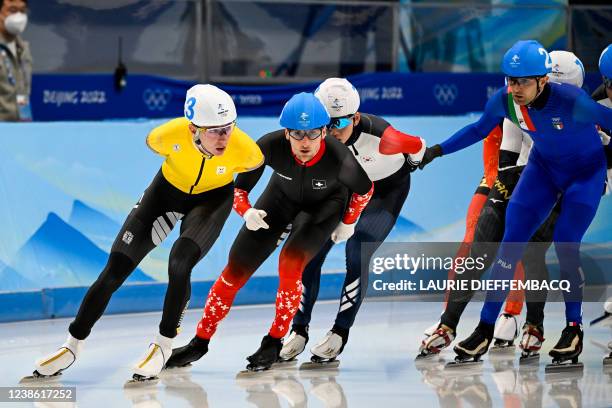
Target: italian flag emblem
(519, 114)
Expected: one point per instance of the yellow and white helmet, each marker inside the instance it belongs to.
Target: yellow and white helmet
(208, 106)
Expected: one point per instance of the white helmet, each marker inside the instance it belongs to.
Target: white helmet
(209, 106)
(566, 68)
(339, 97)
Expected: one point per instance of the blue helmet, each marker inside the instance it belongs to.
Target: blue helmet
(304, 112)
(605, 62)
(525, 59)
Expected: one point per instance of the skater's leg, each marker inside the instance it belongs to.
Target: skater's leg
(310, 233)
(531, 202)
(311, 279)
(489, 231)
(373, 227)
(199, 230)
(534, 261)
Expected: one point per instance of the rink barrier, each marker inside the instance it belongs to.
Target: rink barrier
(53, 303)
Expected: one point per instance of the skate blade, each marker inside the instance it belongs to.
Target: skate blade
(317, 365)
(252, 372)
(563, 367)
(459, 364)
(506, 348)
(426, 356)
(36, 378)
(285, 364)
(139, 381)
(528, 360)
(176, 369)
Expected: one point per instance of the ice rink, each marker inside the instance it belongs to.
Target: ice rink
(377, 367)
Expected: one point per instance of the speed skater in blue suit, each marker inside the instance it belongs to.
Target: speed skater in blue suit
(567, 161)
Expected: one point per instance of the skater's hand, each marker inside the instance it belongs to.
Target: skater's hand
(414, 159)
(254, 219)
(343, 232)
(430, 154)
(605, 138)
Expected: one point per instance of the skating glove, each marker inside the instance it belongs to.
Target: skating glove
(414, 159)
(430, 154)
(254, 219)
(343, 232)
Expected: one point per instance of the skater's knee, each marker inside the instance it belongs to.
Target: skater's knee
(118, 268)
(183, 257)
(291, 263)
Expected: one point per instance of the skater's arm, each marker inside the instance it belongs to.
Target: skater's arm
(475, 132)
(246, 181)
(162, 138)
(356, 180)
(587, 110)
(512, 142)
(251, 156)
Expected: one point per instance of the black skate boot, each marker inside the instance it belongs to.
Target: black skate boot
(266, 355)
(567, 348)
(184, 356)
(471, 349)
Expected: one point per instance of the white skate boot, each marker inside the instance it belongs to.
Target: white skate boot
(53, 364)
(441, 338)
(326, 351)
(431, 329)
(293, 346)
(150, 365)
(506, 330)
(531, 343)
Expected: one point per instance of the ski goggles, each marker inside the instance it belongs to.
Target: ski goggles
(311, 134)
(340, 123)
(521, 81)
(217, 131)
(607, 82)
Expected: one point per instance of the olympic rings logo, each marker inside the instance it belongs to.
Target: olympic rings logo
(445, 94)
(157, 99)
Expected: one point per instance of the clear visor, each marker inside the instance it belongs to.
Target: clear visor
(311, 134)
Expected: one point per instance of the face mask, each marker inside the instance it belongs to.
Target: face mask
(16, 23)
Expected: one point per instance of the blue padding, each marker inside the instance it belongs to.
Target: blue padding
(146, 297)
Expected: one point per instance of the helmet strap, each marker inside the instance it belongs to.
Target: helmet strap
(198, 144)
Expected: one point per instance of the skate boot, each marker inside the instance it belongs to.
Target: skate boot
(471, 349)
(192, 351)
(325, 352)
(441, 338)
(431, 329)
(150, 365)
(606, 318)
(295, 344)
(607, 361)
(567, 348)
(506, 331)
(531, 343)
(53, 364)
(266, 355)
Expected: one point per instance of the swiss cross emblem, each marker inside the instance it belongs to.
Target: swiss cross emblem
(319, 184)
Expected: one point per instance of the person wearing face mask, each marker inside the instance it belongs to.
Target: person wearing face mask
(195, 185)
(15, 62)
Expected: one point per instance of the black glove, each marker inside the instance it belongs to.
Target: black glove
(430, 154)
